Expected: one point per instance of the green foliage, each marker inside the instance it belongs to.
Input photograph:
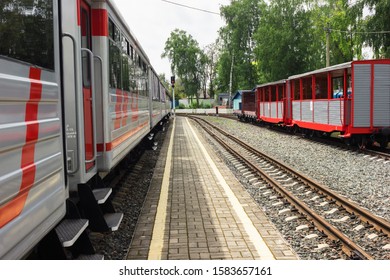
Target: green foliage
(378, 21)
(242, 19)
(271, 40)
(26, 31)
(187, 60)
(182, 106)
(285, 41)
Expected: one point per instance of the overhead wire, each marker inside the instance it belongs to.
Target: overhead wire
(190, 7)
(359, 32)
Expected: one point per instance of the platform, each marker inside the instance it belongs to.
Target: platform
(197, 210)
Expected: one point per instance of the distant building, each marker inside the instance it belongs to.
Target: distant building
(223, 99)
(237, 100)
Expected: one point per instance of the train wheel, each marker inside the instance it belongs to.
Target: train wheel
(384, 143)
(295, 129)
(347, 142)
(361, 142)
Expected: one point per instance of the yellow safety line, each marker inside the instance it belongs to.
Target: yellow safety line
(156, 245)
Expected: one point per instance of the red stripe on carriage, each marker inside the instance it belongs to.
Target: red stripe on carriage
(78, 12)
(124, 108)
(118, 141)
(99, 22)
(118, 109)
(134, 107)
(13, 208)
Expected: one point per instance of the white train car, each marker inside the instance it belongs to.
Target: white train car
(75, 99)
(32, 175)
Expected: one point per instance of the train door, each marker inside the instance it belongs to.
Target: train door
(87, 80)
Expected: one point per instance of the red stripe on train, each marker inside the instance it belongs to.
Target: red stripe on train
(99, 22)
(13, 208)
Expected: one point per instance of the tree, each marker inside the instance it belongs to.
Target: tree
(342, 20)
(187, 60)
(211, 52)
(237, 44)
(377, 25)
(285, 41)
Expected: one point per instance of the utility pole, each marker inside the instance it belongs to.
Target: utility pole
(327, 29)
(231, 81)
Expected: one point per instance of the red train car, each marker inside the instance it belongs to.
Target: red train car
(270, 99)
(351, 99)
(248, 106)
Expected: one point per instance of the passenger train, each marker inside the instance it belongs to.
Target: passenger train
(349, 100)
(77, 94)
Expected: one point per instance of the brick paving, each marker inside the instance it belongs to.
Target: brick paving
(200, 222)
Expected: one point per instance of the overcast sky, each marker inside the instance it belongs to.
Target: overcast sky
(152, 21)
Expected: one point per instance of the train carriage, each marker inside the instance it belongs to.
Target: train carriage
(75, 99)
(32, 174)
(157, 99)
(270, 99)
(248, 106)
(350, 98)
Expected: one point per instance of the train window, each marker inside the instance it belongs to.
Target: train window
(127, 47)
(307, 88)
(146, 87)
(280, 93)
(321, 87)
(114, 66)
(111, 29)
(132, 80)
(125, 73)
(124, 44)
(117, 35)
(132, 52)
(85, 43)
(273, 93)
(296, 87)
(338, 87)
(27, 32)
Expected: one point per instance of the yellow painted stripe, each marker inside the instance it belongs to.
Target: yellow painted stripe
(156, 245)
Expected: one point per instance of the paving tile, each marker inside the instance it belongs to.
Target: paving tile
(201, 223)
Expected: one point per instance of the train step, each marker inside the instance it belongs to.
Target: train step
(69, 239)
(69, 230)
(97, 207)
(95, 257)
(113, 220)
(101, 195)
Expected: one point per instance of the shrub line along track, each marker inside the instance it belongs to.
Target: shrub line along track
(349, 247)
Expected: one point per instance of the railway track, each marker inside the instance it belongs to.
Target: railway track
(373, 152)
(361, 234)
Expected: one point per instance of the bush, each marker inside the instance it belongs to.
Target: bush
(182, 106)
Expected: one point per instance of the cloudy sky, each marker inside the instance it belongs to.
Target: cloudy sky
(152, 21)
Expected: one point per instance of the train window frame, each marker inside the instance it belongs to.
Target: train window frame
(86, 71)
(111, 25)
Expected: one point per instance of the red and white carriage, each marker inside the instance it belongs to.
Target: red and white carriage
(352, 99)
(75, 99)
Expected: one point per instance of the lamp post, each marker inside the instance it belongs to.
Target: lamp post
(173, 95)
